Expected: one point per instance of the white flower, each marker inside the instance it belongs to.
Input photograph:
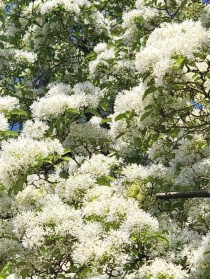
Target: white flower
(138, 220)
(199, 259)
(168, 40)
(53, 217)
(59, 88)
(49, 106)
(130, 100)
(3, 122)
(104, 55)
(70, 6)
(100, 47)
(34, 129)
(89, 136)
(61, 97)
(8, 103)
(134, 171)
(77, 185)
(21, 55)
(19, 155)
(98, 165)
(161, 268)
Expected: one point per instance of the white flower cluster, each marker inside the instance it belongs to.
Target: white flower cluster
(104, 204)
(101, 22)
(198, 213)
(191, 174)
(34, 129)
(73, 6)
(19, 155)
(171, 39)
(11, 29)
(134, 171)
(104, 55)
(142, 15)
(128, 102)
(193, 155)
(76, 186)
(160, 268)
(55, 213)
(98, 165)
(82, 95)
(28, 56)
(91, 210)
(3, 122)
(141, 11)
(88, 136)
(41, 216)
(27, 200)
(205, 16)
(199, 261)
(49, 107)
(8, 103)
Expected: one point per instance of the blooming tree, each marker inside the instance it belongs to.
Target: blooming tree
(112, 103)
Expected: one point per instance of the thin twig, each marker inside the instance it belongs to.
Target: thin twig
(183, 195)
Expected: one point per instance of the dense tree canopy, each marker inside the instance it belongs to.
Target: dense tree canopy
(112, 103)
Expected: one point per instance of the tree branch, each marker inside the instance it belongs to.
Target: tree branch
(183, 195)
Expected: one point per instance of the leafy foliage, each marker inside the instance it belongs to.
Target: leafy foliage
(112, 103)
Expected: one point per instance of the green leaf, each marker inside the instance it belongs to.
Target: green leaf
(66, 158)
(146, 76)
(179, 64)
(72, 111)
(161, 238)
(120, 116)
(190, 137)
(5, 270)
(19, 112)
(92, 111)
(61, 276)
(208, 75)
(91, 56)
(174, 132)
(120, 135)
(18, 186)
(208, 25)
(183, 3)
(139, 19)
(9, 133)
(106, 120)
(24, 273)
(155, 137)
(64, 174)
(10, 191)
(2, 188)
(148, 91)
(138, 142)
(149, 107)
(105, 180)
(66, 151)
(73, 269)
(147, 141)
(119, 43)
(146, 114)
(206, 273)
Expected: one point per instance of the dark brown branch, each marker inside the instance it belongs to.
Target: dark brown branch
(183, 195)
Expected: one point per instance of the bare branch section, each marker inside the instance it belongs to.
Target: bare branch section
(183, 195)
